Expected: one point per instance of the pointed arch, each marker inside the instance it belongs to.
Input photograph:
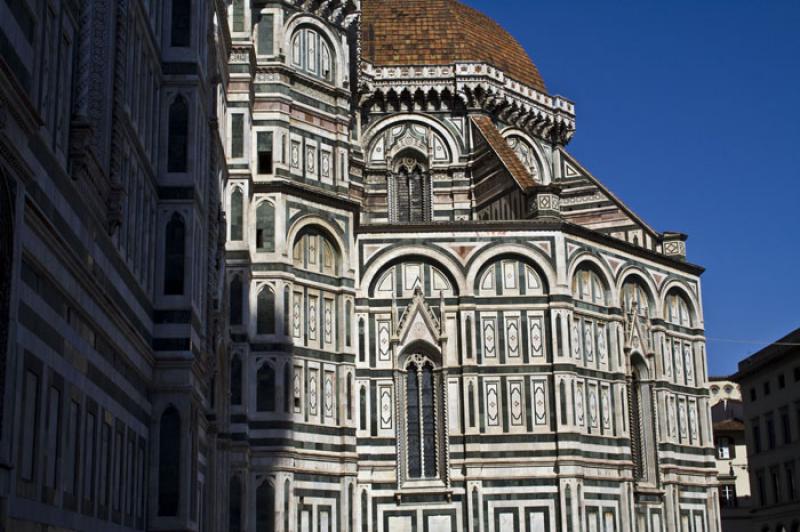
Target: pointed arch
(178, 135)
(265, 227)
(265, 507)
(169, 459)
(175, 256)
(265, 311)
(636, 294)
(237, 215)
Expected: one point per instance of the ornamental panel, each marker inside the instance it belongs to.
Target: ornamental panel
(489, 337)
(540, 402)
(383, 340)
(385, 394)
(536, 336)
(515, 395)
(493, 404)
(512, 336)
(580, 410)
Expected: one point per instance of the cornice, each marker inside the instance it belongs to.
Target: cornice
(477, 86)
(542, 224)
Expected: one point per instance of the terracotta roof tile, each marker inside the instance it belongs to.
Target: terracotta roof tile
(440, 32)
(504, 152)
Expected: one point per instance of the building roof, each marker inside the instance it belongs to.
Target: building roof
(503, 151)
(787, 345)
(441, 32)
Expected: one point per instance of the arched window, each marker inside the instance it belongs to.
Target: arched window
(311, 53)
(178, 135)
(351, 513)
(471, 405)
(526, 155)
(265, 227)
(635, 297)
(412, 192)
(174, 256)
(362, 342)
(349, 397)
(286, 317)
(637, 443)
(265, 388)
(237, 301)
(236, 380)
(589, 287)
(235, 505)
(363, 408)
(237, 215)
(421, 418)
(181, 27)
(641, 422)
(265, 507)
(676, 310)
(315, 251)
(287, 500)
(348, 324)
(364, 511)
(265, 315)
(169, 444)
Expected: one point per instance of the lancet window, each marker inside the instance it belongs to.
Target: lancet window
(411, 191)
(421, 418)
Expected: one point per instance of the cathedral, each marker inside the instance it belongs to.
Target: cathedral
(327, 266)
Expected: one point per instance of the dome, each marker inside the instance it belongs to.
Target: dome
(440, 32)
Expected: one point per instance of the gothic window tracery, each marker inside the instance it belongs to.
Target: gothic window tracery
(312, 54)
(636, 298)
(422, 418)
(412, 191)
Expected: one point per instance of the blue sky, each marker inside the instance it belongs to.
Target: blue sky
(689, 111)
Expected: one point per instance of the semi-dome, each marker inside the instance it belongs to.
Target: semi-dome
(441, 32)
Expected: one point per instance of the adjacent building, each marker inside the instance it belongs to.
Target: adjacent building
(112, 305)
(727, 416)
(770, 383)
(317, 266)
